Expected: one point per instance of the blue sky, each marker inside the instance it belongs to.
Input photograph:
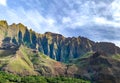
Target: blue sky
(98, 20)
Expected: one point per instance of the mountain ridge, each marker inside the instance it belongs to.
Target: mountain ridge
(25, 52)
(56, 45)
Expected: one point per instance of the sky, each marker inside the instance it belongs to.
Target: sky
(98, 20)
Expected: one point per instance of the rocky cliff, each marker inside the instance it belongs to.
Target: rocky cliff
(54, 45)
(25, 52)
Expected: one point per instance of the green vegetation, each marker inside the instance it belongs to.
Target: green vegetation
(88, 54)
(11, 78)
(78, 60)
(116, 57)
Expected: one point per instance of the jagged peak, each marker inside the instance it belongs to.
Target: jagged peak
(3, 23)
(21, 25)
(53, 34)
(13, 25)
(50, 33)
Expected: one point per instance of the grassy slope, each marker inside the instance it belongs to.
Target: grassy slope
(27, 62)
(19, 63)
(77, 60)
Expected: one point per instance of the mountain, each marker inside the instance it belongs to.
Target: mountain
(19, 55)
(25, 52)
(54, 45)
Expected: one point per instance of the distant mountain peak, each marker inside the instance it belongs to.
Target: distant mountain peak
(52, 34)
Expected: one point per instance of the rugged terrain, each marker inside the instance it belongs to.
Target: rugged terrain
(25, 52)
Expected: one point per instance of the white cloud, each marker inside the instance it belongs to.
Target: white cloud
(50, 21)
(30, 18)
(66, 19)
(79, 21)
(3, 2)
(115, 10)
(104, 21)
(99, 20)
(91, 13)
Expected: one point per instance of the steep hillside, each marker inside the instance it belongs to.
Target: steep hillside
(99, 68)
(25, 61)
(54, 45)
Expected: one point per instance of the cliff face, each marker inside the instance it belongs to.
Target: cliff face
(62, 49)
(54, 45)
(26, 52)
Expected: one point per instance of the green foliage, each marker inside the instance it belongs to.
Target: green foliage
(88, 54)
(11, 78)
(43, 56)
(116, 57)
(33, 79)
(65, 80)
